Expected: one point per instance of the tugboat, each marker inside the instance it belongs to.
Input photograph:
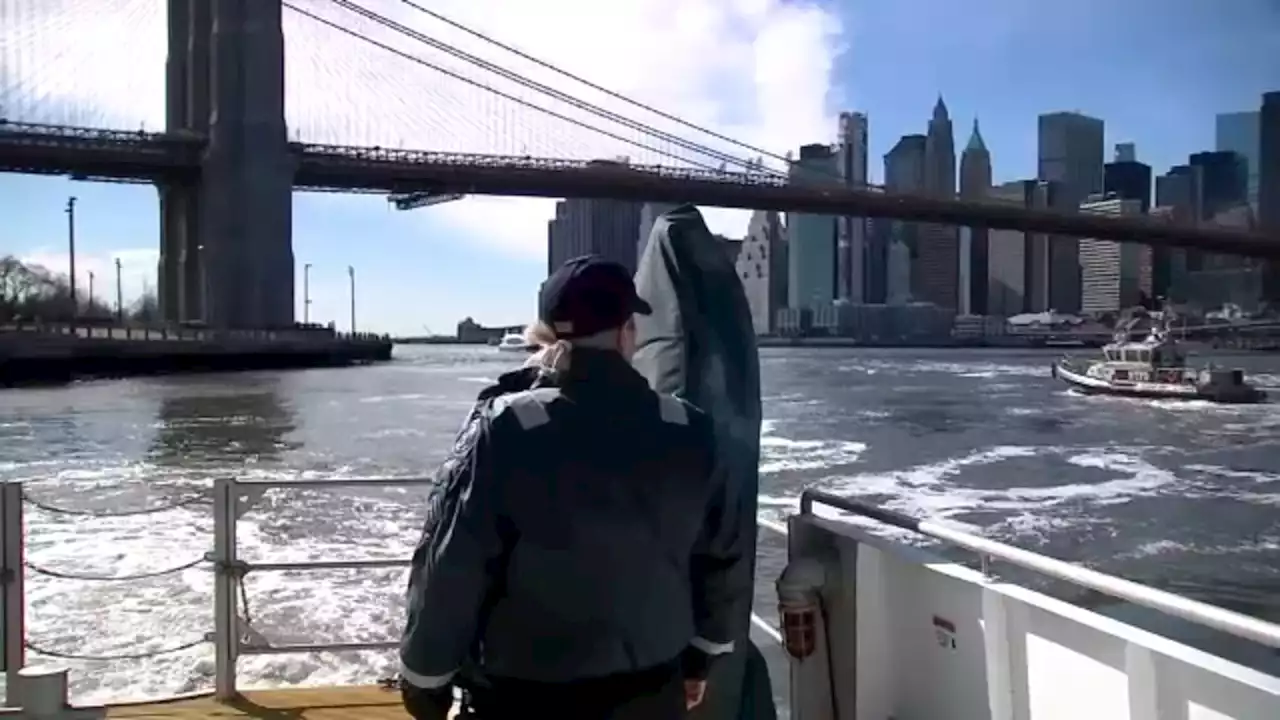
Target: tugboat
(1154, 367)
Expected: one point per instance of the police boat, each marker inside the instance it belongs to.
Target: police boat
(1153, 367)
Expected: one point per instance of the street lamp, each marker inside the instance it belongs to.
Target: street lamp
(71, 252)
(351, 274)
(90, 303)
(119, 295)
(306, 294)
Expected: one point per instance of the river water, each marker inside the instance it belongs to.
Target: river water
(1182, 495)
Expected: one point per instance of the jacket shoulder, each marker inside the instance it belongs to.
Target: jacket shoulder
(529, 408)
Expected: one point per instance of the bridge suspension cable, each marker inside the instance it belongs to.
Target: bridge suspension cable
(551, 92)
(598, 88)
(478, 84)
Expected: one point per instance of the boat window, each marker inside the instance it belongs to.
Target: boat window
(1144, 356)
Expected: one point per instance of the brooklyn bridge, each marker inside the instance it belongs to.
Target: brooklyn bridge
(229, 155)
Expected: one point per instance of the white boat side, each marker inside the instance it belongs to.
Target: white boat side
(1068, 374)
(898, 632)
(910, 635)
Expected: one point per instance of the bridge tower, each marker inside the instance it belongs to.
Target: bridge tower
(226, 254)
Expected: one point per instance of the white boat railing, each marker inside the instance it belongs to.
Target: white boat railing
(232, 637)
(904, 632)
(1232, 623)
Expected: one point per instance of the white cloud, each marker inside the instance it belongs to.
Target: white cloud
(755, 70)
(137, 271)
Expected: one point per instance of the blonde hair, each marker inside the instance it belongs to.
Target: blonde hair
(554, 354)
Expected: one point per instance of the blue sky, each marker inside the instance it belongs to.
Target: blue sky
(774, 72)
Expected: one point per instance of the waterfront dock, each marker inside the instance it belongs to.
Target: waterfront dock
(31, 354)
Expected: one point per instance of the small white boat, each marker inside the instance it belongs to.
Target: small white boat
(1154, 367)
(514, 342)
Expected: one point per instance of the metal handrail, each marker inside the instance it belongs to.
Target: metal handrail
(12, 594)
(1237, 624)
(230, 570)
(228, 636)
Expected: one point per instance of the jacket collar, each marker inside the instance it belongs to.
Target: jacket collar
(601, 371)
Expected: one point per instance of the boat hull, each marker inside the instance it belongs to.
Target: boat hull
(1077, 378)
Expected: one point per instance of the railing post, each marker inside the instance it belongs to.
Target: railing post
(226, 620)
(12, 598)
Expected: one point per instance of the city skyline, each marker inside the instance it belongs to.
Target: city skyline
(432, 262)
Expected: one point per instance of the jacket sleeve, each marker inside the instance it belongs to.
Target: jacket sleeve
(721, 576)
(450, 572)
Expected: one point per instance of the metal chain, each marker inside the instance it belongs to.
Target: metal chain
(245, 609)
(62, 575)
(108, 658)
(181, 503)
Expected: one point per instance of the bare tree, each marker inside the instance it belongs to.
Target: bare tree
(32, 293)
(145, 309)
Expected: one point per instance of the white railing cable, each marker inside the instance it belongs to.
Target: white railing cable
(1233, 623)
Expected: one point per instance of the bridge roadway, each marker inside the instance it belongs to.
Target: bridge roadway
(95, 154)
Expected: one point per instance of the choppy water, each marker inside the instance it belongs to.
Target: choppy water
(1179, 494)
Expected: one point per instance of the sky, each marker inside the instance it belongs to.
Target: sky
(772, 73)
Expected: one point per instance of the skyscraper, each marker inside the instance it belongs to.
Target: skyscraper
(762, 265)
(1114, 275)
(593, 227)
(1018, 262)
(1269, 183)
(904, 172)
(1269, 161)
(1241, 133)
(811, 249)
(851, 232)
(1224, 176)
(649, 212)
(1127, 178)
(1070, 154)
(938, 254)
(975, 184)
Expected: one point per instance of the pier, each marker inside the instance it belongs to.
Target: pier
(42, 353)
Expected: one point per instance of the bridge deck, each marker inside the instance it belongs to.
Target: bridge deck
(323, 703)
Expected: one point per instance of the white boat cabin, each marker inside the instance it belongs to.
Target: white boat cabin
(1156, 359)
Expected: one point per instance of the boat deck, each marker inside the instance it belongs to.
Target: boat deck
(367, 702)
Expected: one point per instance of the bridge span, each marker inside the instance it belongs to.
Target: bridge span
(225, 169)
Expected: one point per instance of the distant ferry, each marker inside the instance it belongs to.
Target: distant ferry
(514, 342)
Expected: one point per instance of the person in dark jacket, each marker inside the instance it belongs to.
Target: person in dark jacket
(574, 560)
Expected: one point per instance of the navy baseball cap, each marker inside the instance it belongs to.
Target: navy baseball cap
(588, 295)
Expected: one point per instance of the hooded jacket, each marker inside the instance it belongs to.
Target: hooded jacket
(575, 531)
